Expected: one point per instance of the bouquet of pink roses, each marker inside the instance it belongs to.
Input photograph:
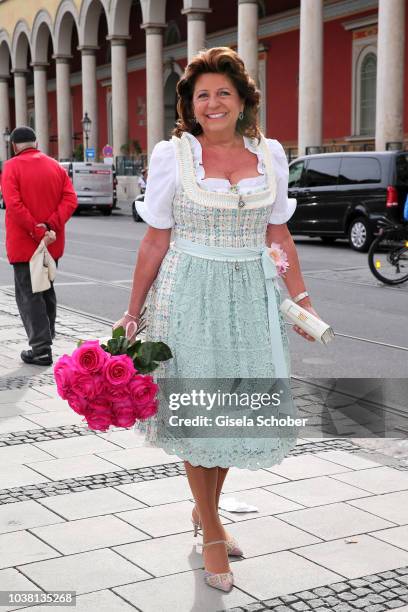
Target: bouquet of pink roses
(108, 383)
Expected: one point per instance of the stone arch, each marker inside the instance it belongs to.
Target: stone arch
(91, 11)
(118, 19)
(40, 35)
(20, 46)
(65, 20)
(5, 54)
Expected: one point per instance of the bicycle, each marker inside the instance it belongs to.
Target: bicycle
(388, 254)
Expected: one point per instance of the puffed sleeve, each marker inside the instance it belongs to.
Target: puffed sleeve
(283, 207)
(156, 209)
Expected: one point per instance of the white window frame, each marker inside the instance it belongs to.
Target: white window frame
(361, 48)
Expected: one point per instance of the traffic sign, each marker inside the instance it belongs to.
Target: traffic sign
(107, 151)
(90, 153)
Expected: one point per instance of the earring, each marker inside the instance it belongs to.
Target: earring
(241, 116)
(194, 120)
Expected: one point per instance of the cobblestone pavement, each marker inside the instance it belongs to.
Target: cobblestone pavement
(109, 518)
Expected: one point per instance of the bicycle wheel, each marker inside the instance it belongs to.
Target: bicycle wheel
(388, 258)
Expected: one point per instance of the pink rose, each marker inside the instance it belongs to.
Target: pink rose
(115, 393)
(87, 386)
(100, 415)
(148, 411)
(118, 370)
(143, 391)
(63, 373)
(99, 422)
(89, 358)
(77, 403)
(124, 415)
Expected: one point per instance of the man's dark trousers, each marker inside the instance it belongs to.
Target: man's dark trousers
(37, 310)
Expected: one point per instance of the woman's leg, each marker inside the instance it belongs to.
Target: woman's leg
(203, 484)
(222, 473)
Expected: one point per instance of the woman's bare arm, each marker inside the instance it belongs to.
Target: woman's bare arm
(293, 278)
(153, 248)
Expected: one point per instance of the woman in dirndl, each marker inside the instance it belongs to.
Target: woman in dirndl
(216, 199)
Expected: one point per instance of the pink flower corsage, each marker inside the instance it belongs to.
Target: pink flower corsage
(279, 257)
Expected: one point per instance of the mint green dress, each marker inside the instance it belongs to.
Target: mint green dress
(213, 313)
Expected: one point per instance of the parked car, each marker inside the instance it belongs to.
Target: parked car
(135, 214)
(94, 183)
(343, 195)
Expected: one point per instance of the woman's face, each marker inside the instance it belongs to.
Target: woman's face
(216, 103)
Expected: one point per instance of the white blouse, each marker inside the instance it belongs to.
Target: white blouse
(163, 180)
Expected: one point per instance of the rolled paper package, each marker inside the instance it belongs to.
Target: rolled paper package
(315, 327)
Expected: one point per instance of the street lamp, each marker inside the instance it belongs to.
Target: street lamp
(6, 136)
(86, 127)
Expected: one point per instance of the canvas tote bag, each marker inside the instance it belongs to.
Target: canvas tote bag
(43, 269)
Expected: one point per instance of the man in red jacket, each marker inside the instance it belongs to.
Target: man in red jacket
(39, 198)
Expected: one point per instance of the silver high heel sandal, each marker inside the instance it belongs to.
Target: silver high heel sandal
(233, 548)
(223, 581)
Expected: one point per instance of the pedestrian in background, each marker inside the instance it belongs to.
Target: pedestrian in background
(39, 198)
(142, 180)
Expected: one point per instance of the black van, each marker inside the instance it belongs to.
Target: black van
(342, 195)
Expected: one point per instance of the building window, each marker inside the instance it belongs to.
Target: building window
(364, 77)
(261, 9)
(368, 82)
(172, 34)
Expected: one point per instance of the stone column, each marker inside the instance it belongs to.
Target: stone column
(310, 74)
(196, 31)
(41, 106)
(120, 123)
(248, 35)
(89, 94)
(4, 114)
(154, 85)
(64, 113)
(390, 73)
(20, 97)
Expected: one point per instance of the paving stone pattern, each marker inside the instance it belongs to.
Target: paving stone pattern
(373, 593)
(161, 586)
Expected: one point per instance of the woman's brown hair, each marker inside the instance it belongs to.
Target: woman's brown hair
(218, 60)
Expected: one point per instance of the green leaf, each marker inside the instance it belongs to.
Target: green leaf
(144, 367)
(118, 332)
(155, 351)
(123, 345)
(112, 346)
(133, 349)
(80, 342)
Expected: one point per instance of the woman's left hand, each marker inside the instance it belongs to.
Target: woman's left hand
(300, 331)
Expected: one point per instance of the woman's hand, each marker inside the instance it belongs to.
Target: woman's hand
(300, 331)
(129, 324)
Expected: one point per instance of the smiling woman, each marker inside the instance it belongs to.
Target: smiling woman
(221, 187)
(221, 70)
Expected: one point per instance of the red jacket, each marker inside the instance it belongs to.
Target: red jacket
(36, 189)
